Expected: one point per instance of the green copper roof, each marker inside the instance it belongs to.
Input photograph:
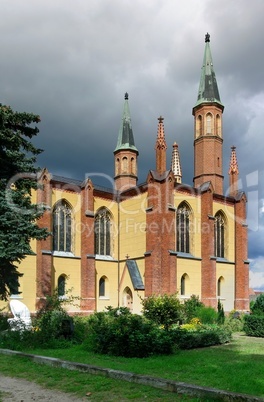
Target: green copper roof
(208, 89)
(125, 136)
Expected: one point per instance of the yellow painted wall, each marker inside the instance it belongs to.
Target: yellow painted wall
(133, 227)
(228, 285)
(70, 267)
(193, 269)
(108, 269)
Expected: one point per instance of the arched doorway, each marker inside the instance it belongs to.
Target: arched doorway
(128, 299)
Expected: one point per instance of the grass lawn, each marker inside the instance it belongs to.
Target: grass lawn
(237, 367)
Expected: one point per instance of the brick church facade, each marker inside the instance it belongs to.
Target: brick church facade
(113, 247)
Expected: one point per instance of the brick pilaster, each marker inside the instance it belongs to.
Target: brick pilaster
(88, 286)
(208, 264)
(44, 271)
(241, 261)
(160, 267)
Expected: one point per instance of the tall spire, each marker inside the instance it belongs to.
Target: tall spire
(161, 147)
(176, 164)
(208, 138)
(125, 137)
(233, 173)
(125, 153)
(208, 89)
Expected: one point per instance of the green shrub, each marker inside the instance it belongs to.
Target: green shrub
(190, 306)
(258, 307)
(3, 322)
(126, 334)
(164, 310)
(80, 332)
(207, 335)
(234, 321)
(207, 315)
(254, 325)
(220, 313)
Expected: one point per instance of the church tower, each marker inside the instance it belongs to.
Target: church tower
(125, 153)
(208, 140)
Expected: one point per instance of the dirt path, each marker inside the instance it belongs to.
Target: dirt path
(17, 390)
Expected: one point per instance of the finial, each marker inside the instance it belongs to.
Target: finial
(160, 119)
(207, 37)
(233, 148)
(126, 96)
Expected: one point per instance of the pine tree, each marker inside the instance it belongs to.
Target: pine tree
(18, 178)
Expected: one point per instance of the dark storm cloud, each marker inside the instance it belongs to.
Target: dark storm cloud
(72, 62)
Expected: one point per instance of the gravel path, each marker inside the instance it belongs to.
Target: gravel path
(17, 390)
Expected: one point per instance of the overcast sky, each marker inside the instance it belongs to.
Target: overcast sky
(71, 61)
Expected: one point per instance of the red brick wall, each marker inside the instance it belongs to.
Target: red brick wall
(241, 266)
(208, 264)
(88, 277)
(160, 264)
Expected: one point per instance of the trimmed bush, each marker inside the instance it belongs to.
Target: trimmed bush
(254, 325)
(208, 335)
(126, 334)
(190, 307)
(207, 315)
(164, 310)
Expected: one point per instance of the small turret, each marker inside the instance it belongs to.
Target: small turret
(176, 163)
(161, 148)
(233, 173)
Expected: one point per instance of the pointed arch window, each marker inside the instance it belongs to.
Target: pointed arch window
(62, 226)
(220, 286)
(61, 285)
(218, 126)
(184, 284)
(209, 123)
(183, 228)
(199, 126)
(219, 235)
(102, 231)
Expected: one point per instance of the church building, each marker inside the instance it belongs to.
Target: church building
(115, 246)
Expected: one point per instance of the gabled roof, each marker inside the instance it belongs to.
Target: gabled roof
(135, 275)
(208, 89)
(125, 137)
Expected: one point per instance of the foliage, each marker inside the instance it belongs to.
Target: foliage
(125, 334)
(258, 307)
(254, 325)
(207, 315)
(19, 216)
(190, 306)
(164, 310)
(52, 320)
(234, 321)
(3, 322)
(220, 313)
(206, 335)
(194, 324)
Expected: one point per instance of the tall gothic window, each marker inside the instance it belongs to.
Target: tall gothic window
(61, 285)
(62, 226)
(102, 231)
(219, 235)
(209, 123)
(183, 228)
